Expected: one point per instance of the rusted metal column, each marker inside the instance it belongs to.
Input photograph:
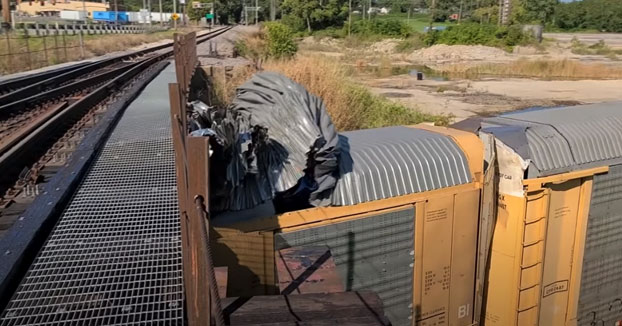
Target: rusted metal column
(191, 155)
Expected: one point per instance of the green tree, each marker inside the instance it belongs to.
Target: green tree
(315, 14)
(537, 11)
(602, 15)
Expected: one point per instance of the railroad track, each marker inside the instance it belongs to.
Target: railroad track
(42, 121)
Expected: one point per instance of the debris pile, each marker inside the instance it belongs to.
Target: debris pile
(275, 142)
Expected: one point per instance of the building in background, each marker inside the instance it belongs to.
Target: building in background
(50, 8)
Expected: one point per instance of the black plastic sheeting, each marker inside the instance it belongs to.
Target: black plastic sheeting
(275, 142)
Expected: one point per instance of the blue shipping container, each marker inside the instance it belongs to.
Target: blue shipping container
(109, 16)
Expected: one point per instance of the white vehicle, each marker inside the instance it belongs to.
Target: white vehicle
(73, 14)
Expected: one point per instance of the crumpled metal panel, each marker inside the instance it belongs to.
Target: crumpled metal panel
(601, 278)
(374, 253)
(569, 138)
(276, 137)
(395, 161)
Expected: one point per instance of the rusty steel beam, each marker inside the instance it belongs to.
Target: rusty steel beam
(191, 164)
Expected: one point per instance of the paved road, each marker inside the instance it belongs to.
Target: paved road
(612, 39)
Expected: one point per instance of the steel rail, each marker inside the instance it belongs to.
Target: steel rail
(22, 148)
(38, 85)
(22, 242)
(15, 83)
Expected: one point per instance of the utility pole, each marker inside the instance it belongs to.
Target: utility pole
(433, 11)
(6, 13)
(256, 11)
(273, 10)
(161, 19)
(505, 8)
(175, 12)
(349, 17)
(116, 11)
(460, 12)
(149, 13)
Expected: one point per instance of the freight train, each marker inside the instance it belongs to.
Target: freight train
(512, 220)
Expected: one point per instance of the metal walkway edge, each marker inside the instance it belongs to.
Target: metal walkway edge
(114, 257)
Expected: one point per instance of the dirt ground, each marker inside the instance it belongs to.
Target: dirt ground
(219, 51)
(464, 98)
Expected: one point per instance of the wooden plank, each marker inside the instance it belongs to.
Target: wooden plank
(303, 307)
(250, 259)
(353, 321)
(179, 144)
(221, 280)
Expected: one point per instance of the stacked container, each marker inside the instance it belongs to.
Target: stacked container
(557, 246)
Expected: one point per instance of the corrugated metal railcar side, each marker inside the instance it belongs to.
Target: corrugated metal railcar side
(417, 250)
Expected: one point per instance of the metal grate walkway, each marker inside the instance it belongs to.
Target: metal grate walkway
(114, 257)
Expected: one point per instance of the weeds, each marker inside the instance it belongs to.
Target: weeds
(273, 40)
(415, 42)
(483, 34)
(598, 48)
(351, 106)
(546, 69)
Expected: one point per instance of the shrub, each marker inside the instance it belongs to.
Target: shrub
(280, 40)
(294, 22)
(274, 40)
(483, 34)
(385, 27)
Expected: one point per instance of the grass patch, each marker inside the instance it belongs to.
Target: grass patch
(545, 69)
(350, 105)
(598, 48)
(418, 22)
(415, 42)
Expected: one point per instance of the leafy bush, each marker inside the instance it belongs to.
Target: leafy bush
(294, 22)
(483, 34)
(385, 27)
(274, 40)
(280, 40)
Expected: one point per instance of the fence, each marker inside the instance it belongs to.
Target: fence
(25, 52)
(38, 28)
(20, 50)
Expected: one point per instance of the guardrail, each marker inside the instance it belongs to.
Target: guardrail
(41, 29)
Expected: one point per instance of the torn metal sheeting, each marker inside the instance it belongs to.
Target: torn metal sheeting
(274, 135)
(563, 139)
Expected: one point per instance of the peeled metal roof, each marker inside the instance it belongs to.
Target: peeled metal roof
(568, 138)
(395, 161)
